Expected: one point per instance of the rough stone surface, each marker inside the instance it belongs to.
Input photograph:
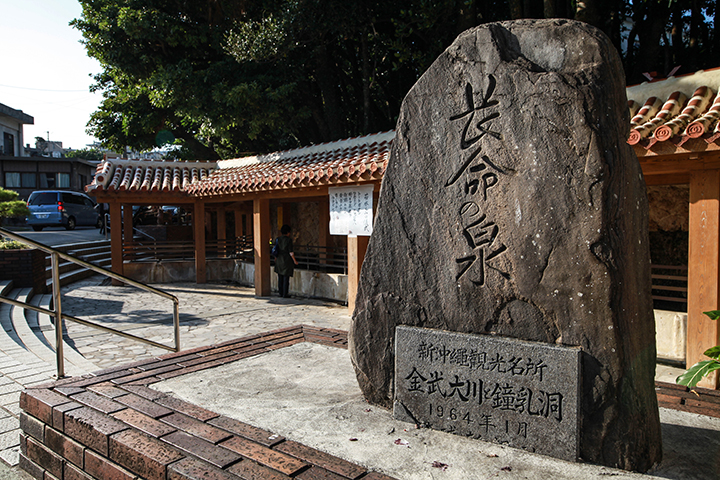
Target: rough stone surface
(524, 394)
(512, 205)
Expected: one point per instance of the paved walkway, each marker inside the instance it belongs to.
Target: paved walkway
(209, 314)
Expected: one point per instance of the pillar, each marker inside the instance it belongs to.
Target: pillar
(357, 246)
(703, 268)
(261, 240)
(199, 234)
(324, 229)
(116, 241)
(128, 231)
(221, 232)
(238, 223)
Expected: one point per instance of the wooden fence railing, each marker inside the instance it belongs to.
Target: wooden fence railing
(309, 257)
(669, 287)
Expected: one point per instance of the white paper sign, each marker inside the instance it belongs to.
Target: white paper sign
(351, 210)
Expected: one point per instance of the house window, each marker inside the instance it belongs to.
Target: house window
(47, 180)
(8, 144)
(28, 180)
(63, 180)
(12, 180)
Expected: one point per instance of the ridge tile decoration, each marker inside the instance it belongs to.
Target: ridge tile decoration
(495, 389)
(671, 112)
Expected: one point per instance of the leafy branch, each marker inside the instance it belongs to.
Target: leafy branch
(701, 369)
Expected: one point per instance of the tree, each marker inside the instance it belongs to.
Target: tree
(225, 77)
(86, 154)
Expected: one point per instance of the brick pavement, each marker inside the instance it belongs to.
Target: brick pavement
(209, 314)
(111, 425)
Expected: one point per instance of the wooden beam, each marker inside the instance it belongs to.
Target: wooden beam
(140, 198)
(199, 233)
(703, 268)
(116, 240)
(357, 247)
(261, 239)
(668, 179)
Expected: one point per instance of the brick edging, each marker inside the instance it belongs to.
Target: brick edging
(697, 400)
(109, 424)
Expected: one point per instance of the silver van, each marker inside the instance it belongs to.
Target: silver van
(61, 208)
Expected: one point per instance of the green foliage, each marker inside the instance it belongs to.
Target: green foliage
(228, 77)
(11, 245)
(86, 154)
(701, 369)
(10, 206)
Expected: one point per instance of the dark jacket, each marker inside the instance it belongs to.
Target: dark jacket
(284, 264)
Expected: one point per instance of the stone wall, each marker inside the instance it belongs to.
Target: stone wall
(305, 283)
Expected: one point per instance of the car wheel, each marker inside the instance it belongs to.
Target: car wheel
(37, 228)
(70, 224)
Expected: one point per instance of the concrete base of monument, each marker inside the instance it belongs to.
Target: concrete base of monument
(308, 393)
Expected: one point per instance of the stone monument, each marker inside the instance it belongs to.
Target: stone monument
(513, 207)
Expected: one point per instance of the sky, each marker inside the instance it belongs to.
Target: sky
(45, 71)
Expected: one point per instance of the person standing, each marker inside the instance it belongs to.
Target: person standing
(285, 261)
(101, 209)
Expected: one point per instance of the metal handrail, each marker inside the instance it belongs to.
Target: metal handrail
(55, 255)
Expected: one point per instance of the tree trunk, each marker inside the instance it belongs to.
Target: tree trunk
(365, 82)
(516, 9)
(325, 78)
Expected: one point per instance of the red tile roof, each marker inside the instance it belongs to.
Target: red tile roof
(669, 113)
(359, 159)
(353, 160)
(148, 175)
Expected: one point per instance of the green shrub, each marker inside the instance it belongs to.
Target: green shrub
(11, 245)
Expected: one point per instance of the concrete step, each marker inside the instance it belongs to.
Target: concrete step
(26, 335)
(24, 366)
(75, 363)
(5, 287)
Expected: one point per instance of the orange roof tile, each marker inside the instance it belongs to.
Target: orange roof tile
(344, 161)
(675, 110)
(148, 175)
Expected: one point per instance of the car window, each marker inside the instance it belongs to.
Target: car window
(44, 198)
(88, 202)
(72, 199)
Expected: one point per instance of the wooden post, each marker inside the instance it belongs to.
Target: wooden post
(199, 234)
(261, 239)
(324, 229)
(116, 240)
(128, 231)
(357, 246)
(703, 268)
(221, 232)
(238, 223)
